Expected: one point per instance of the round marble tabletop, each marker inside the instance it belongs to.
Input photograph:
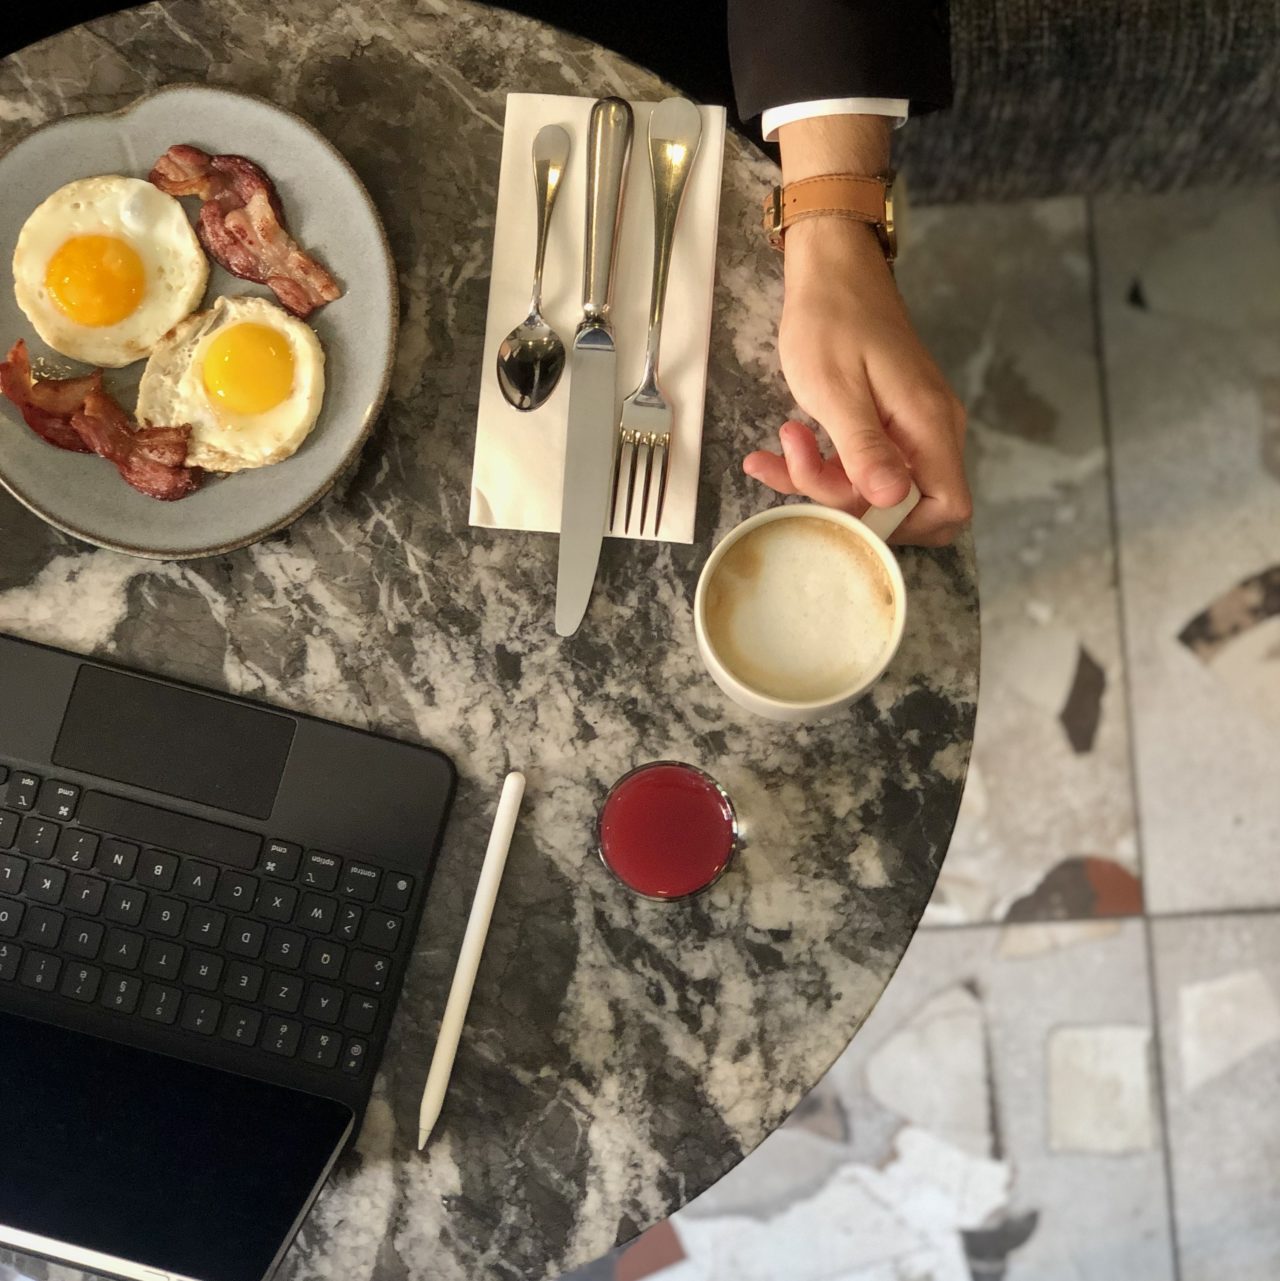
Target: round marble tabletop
(620, 1055)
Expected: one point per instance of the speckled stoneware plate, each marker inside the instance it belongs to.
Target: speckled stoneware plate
(329, 212)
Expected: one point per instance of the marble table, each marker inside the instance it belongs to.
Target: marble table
(621, 1055)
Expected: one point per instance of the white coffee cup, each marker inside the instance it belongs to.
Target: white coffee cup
(868, 589)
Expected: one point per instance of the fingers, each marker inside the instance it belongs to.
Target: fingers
(769, 469)
(871, 462)
(928, 426)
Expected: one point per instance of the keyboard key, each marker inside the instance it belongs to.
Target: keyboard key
(241, 1025)
(361, 1013)
(196, 880)
(204, 970)
(10, 954)
(284, 948)
(280, 862)
(237, 891)
(45, 884)
(118, 858)
(125, 904)
(368, 972)
(151, 825)
(317, 913)
(37, 837)
(354, 1058)
(83, 939)
(360, 881)
(320, 871)
(76, 847)
(58, 800)
(200, 1014)
(160, 1003)
(23, 790)
(11, 872)
(397, 889)
(80, 982)
(121, 993)
(323, 1003)
(8, 828)
(324, 960)
(123, 949)
(10, 918)
(277, 903)
(245, 938)
(381, 930)
(42, 926)
(163, 960)
(85, 894)
(243, 981)
(204, 925)
(158, 870)
(40, 970)
(281, 1037)
(284, 992)
(320, 1047)
(165, 916)
(348, 921)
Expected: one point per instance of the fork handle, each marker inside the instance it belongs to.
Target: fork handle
(608, 150)
(675, 130)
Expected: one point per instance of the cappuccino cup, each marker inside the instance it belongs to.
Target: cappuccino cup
(800, 609)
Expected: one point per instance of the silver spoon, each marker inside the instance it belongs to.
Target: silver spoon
(531, 357)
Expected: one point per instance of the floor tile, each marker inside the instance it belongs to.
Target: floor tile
(1190, 288)
(928, 1151)
(1046, 828)
(1218, 984)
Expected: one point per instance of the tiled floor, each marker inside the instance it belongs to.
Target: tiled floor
(1075, 1075)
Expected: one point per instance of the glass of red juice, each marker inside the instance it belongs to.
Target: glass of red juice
(667, 830)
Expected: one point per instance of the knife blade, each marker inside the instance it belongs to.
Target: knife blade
(592, 433)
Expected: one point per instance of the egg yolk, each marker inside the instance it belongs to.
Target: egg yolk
(248, 368)
(96, 280)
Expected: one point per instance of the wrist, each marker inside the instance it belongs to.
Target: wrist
(853, 144)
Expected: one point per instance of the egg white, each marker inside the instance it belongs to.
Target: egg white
(172, 391)
(154, 225)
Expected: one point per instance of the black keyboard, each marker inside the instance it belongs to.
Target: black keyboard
(206, 930)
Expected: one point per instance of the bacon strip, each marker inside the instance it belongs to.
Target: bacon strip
(77, 415)
(241, 225)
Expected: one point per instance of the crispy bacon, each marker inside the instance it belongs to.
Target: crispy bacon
(241, 225)
(77, 415)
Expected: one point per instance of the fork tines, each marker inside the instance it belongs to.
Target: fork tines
(630, 446)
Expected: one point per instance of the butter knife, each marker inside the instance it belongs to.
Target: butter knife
(592, 433)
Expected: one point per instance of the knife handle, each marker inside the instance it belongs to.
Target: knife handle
(608, 151)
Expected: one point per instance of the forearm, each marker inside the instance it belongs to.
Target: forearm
(835, 144)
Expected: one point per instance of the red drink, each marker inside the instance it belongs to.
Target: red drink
(667, 830)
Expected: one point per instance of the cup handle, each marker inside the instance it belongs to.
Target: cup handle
(882, 521)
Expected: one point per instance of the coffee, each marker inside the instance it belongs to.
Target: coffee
(801, 610)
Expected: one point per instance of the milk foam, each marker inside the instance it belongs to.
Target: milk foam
(800, 609)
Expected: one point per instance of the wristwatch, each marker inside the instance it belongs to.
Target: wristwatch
(834, 195)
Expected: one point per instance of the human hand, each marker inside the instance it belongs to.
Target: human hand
(854, 362)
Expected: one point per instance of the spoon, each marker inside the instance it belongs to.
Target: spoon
(532, 356)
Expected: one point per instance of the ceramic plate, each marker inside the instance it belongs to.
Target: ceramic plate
(328, 210)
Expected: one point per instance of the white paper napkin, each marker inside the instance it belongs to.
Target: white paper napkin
(519, 459)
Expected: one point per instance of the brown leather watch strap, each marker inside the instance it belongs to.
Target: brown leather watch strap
(835, 195)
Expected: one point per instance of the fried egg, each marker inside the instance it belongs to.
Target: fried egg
(245, 374)
(105, 267)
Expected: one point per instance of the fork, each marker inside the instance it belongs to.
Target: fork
(675, 130)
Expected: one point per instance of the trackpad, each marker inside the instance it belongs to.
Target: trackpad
(147, 1158)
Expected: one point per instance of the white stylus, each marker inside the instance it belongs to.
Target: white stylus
(464, 976)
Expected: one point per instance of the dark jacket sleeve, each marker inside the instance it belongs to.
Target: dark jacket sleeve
(786, 51)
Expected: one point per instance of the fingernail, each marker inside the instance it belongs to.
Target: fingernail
(884, 477)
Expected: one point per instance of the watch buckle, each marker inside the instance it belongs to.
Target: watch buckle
(773, 217)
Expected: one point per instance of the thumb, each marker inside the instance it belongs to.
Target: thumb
(871, 460)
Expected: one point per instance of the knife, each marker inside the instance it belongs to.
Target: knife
(592, 433)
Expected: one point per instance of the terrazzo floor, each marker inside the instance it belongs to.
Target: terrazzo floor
(1074, 1075)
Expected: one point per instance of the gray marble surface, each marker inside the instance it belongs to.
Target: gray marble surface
(620, 1055)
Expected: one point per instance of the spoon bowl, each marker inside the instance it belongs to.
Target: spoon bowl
(530, 362)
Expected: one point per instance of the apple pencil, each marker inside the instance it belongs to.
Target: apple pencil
(464, 976)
